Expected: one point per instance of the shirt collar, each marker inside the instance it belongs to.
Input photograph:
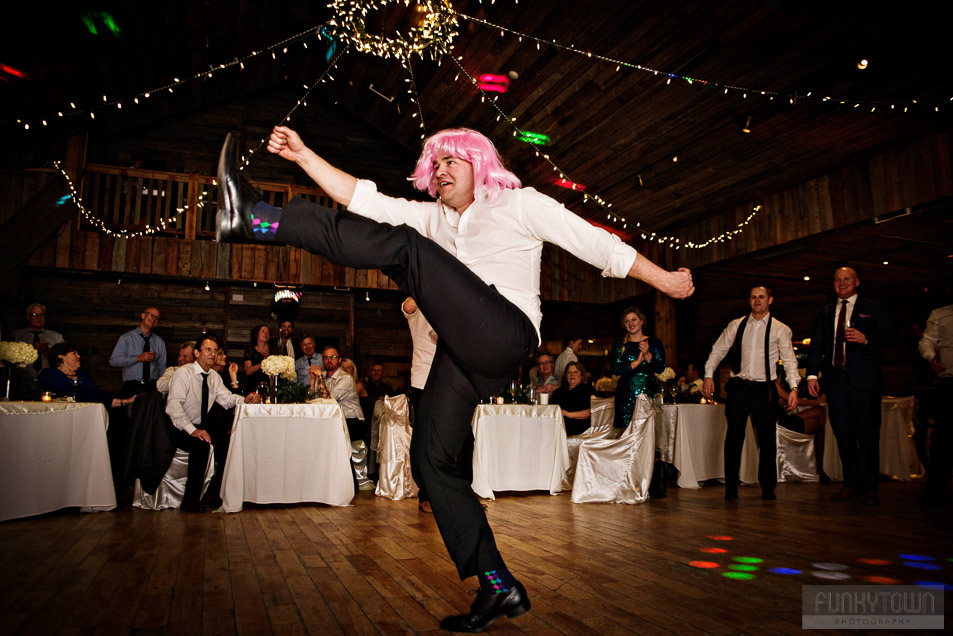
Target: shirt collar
(197, 368)
(850, 301)
(763, 319)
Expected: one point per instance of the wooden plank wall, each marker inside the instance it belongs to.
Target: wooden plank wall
(916, 173)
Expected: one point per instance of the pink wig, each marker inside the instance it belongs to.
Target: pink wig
(490, 178)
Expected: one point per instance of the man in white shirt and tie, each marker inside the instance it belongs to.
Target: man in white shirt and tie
(755, 343)
(192, 391)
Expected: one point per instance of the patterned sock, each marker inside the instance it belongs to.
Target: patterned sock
(264, 219)
(496, 581)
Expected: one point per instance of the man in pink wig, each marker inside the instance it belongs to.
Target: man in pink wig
(471, 261)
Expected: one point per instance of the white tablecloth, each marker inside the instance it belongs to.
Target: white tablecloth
(288, 453)
(898, 454)
(700, 444)
(53, 455)
(518, 447)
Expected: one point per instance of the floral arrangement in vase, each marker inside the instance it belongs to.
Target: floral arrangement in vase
(14, 353)
(276, 367)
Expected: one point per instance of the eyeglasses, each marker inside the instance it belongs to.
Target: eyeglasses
(331, 357)
(35, 315)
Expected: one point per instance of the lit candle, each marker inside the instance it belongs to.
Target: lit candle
(47, 396)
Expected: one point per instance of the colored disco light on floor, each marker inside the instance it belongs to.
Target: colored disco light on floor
(831, 576)
(874, 561)
(920, 565)
(946, 586)
(916, 557)
(738, 576)
(743, 567)
(719, 537)
(705, 565)
(784, 571)
(747, 560)
(713, 550)
(829, 566)
(881, 580)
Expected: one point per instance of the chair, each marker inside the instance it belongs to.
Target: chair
(618, 470)
(172, 487)
(796, 461)
(392, 425)
(603, 414)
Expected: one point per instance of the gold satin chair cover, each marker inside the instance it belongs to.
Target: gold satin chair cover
(392, 423)
(618, 470)
(796, 460)
(602, 412)
(172, 487)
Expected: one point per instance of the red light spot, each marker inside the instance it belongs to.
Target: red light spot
(874, 561)
(712, 550)
(9, 70)
(566, 183)
(719, 537)
(881, 580)
(707, 565)
(494, 83)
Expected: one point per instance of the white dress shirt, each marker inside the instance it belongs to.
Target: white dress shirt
(165, 380)
(752, 350)
(502, 242)
(425, 346)
(184, 404)
(344, 391)
(850, 312)
(937, 340)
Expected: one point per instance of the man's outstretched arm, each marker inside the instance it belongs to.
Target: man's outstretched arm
(677, 284)
(339, 185)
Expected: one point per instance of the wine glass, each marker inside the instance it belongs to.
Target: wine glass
(74, 385)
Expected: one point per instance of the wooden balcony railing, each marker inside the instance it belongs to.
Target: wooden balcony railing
(132, 199)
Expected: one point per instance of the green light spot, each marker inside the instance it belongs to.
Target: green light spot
(88, 21)
(747, 560)
(743, 568)
(738, 576)
(533, 138)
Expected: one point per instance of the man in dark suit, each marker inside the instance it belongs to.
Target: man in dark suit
(846, 343)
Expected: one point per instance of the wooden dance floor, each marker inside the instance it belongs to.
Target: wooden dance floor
(380, 566)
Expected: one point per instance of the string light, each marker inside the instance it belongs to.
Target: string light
(237, 62)
(123, 234)
(433, 36)
(669, 76)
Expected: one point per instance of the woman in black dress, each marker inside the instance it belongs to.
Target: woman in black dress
(259, 349)
(575, 399)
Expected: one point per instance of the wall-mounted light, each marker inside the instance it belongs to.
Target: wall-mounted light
(367, 296)
(807, 278)
(207, 288)
(863, 63)
(747, 128)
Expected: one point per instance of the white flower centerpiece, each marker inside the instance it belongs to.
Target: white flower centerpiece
(665, 378)
(15, 353)
(278, 367)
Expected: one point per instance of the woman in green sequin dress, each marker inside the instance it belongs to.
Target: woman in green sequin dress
(635, 359)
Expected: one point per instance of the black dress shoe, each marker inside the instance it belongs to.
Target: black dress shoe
(731, 495)
(212, 502)
(193, 506)
(233, 221)
(487, 608)
(768, 496)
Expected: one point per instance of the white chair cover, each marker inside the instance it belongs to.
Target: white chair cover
(618, 470)
(796, 461)
(172, 487)
(603, 414)
(392, 421)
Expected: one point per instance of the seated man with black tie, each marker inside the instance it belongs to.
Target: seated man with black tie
(308, 359)
(192, 392)
(754, 343)
(140, 354)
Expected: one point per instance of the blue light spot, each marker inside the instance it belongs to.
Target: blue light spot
(63, 199)
(945, 586)
(916, 557)
(922, 566)
(784, 571)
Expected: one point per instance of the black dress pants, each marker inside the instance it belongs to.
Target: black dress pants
(744, 399)
(941, 448)
(198, 451)
(483, 339)
(855, 418)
